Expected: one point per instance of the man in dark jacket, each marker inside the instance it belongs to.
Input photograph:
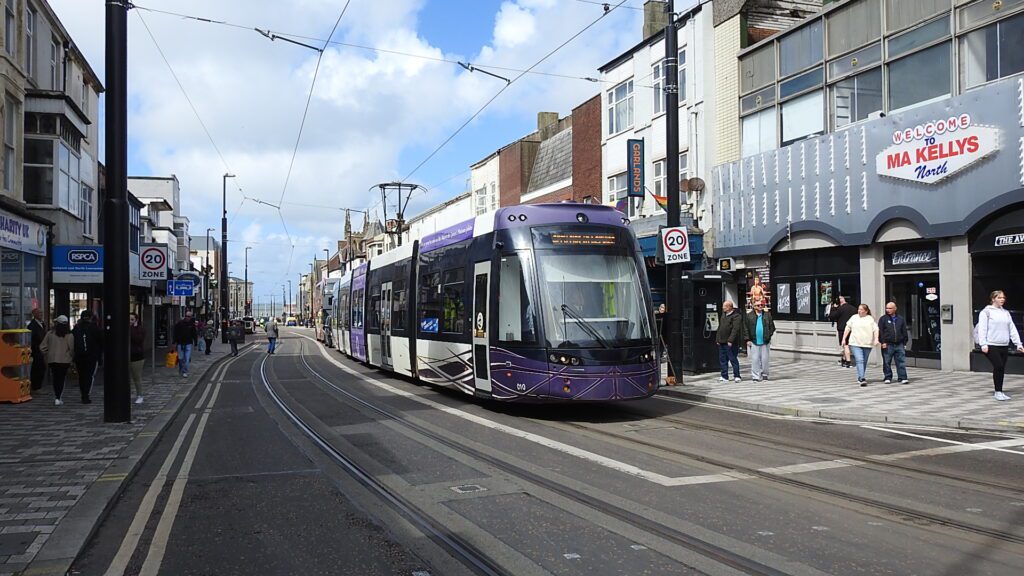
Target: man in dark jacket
(893, 335)
(840, 315)
(185, 337)
(38, 330)
(730, 335)
(758, 328)
(88, 350)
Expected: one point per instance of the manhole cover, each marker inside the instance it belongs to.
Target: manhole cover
(468, 488)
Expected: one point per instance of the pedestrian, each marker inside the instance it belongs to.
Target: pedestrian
(235, 334)
(137, 353)
(994, 334)
(185, 337)
(38, 330)
(58, 348)
(730, 334)
(209, 334)
(861, 335)
(893, 335)
(88, 350)
(200, 330)
(840, 314)
(272, 333)
(758, 329)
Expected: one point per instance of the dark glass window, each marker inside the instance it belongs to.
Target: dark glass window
(454, 301)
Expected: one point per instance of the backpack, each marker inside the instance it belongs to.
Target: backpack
(977, 332)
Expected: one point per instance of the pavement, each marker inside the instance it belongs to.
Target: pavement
(821, 389)
(61, 467)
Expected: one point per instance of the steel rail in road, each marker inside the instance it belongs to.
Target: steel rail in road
(907, 515)
(706, 549)
(475, 560)
(811, 450)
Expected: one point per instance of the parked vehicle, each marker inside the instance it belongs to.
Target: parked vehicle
(250, 324)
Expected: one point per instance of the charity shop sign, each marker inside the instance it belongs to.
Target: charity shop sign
(935, 150)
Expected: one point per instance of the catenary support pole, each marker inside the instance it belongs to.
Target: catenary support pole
(224, 310)
(116, 388)
(673, 288)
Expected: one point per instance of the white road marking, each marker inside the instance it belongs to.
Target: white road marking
(653, 477)
(819, 528)
(571, 556)
(638, 547)
(963, 446)
(765, 533)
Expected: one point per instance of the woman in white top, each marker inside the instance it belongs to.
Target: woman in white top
(996, 331)
(861, 335)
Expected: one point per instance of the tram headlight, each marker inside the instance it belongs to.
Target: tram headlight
(522, 217)
(553, 358)
(582, 218)
(511, 217)
(574, 361)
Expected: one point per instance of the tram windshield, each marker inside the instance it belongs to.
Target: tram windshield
(591, 300)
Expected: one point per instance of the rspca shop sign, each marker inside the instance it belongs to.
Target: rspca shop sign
(78, 264)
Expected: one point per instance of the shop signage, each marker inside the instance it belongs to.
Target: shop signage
(78, 264)
(930, 152)
(1009, 240)
(918, 257)
(21, 234)
(635, 161)
(675, 243)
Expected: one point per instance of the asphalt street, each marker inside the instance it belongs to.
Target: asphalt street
(305, 462)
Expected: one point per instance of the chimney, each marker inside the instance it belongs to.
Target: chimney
(655, 17)
(545, 119)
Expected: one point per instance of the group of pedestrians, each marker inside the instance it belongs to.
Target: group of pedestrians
(59, 348)
(754, 329)
(859, 333)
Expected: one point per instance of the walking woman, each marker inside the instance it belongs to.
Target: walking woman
(138, 354)
(861, 335)
(58, 346)
(996, 331)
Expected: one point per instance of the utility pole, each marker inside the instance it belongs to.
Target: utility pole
(290, 311)
(224, 311)
(206, 278)
(323, 293)
(673, 284)
(245, 285)
(284, 305)
(117, 405)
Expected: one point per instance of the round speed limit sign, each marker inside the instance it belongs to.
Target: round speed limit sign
(676, 245)
(153, 263)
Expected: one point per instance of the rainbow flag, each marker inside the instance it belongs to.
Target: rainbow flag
(661, 200)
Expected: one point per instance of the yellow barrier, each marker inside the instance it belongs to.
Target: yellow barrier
(15, 365)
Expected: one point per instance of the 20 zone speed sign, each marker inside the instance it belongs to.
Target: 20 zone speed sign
(153, 263)
(676, 244)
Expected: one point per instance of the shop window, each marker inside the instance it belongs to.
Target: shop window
(516, 313)
(900, 14)
(454, 301)
(808, 282)
(757, 69)
(620, 107)
(803, 117)
(759, 132)
(801, 49)
(853, 26)
(856, 97)
(10, 289)
(918, 37)
(919, 77)
(993, 52)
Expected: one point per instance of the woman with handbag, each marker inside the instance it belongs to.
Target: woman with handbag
(996, 331)
(58, 347)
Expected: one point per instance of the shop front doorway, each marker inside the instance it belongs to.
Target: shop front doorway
(917, 298)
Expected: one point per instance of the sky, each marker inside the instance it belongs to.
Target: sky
(373, 116)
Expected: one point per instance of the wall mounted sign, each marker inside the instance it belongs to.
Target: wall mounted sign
(635, 161)
(22, 234)
(78, 264)
(1009, 240)
(912, 257)
(930, 152)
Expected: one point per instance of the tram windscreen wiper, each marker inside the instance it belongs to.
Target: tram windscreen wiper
(587, 326)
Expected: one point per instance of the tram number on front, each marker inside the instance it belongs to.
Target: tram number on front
(520, 387)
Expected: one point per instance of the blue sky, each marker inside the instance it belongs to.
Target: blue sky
(373, 116)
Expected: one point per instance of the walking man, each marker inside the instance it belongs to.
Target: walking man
(730, 334)
(894, 335)
(758, 329)
(271, 329)
(88, 349)
(185, 336)
(840, 315)
(38, 330)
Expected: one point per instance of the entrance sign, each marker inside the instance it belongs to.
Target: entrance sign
(153, 262)
(676, 244)
(933, 151)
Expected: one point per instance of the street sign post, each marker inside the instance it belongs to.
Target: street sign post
(181, 288)
(153, 262)
(676, 244)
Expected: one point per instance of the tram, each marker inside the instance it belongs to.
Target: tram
(535, 303)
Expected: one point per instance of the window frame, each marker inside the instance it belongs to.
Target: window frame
(960, 40)
(30, 21)
(55, 79)
(681, 74)
(830, 94)
(660, 178)
(612, 106)
(10, 143)
(11, 28)
(658, 87)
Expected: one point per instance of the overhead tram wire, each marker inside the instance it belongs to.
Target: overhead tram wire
(309, 98)
(506, 86)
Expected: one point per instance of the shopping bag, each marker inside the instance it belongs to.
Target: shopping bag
(171, 360)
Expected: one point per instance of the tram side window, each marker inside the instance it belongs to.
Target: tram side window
(344, 311)
(515, 312)
(357, 309)
(430, 304)
(375, 307)
(398, 305)
(454, 301)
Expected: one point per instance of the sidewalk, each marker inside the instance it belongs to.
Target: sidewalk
(821, 389)
(61, 466)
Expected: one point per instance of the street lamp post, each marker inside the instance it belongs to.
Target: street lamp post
(323, 292)
(290, 311)
(245, 285)
(224, 312)
(206, 277)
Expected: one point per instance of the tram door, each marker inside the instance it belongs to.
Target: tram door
(481, 358)
(385, 324)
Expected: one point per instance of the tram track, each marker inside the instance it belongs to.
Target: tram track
(916, 517)
(704, 548)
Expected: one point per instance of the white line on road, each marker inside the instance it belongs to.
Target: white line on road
(957, 446)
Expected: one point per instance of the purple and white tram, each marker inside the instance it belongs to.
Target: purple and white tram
(534, 303)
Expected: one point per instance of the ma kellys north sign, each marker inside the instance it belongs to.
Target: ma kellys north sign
(930, 152)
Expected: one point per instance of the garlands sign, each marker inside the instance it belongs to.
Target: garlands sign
(930, 152)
